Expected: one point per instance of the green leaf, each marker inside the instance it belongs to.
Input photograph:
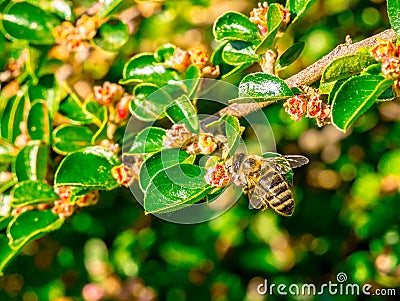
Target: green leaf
(97, 111)
(160, 161)
(149, 140)
(71, 138)
(31, 225)
(192, 80)
(236, 70)
(216, 56)
(12, 116)
(31, 161)
(63, 9)
(232, 131)
(108, 7)
(263, 85)
(149, 103)
(346, 66)
(7, 152)
(96, 173)
(24, 21)
(182, 110)
(291, 54)
(355, 97)
(32, 193)
(235, 26)
(6, 253)
(176, 187)
(72, 108)
(393, 8)
(298, 7)
(164, 53)
(335, 88)
(274, 21)
(39, 122)
(112, 35)
(144, 68)
(239, 52)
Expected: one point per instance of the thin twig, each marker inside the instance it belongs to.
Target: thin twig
(310, 74)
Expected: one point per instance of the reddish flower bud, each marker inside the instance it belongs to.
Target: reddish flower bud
(199, 57)
(259, 15)
(86, 27)
(391, 68)
(296, 107)
(42, 206)
(180, 60)
(325, 116)
(108, 93)
(63, 208)
(21, 209)
(123, 108)
(123, 175)
(206, 144)
(217, 176)
(92, 198)
(314, 107)
(176, 136)
(210, 72)
(193, 149)
(64, 192)
(383, 50)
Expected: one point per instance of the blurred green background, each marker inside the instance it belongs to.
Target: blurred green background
(347, 198)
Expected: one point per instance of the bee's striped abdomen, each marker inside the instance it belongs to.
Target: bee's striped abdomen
(277, 194)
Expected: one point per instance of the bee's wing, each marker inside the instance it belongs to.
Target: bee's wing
(280, 164)
(255, 200)
(296, 160)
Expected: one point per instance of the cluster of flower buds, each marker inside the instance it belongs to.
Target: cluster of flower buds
(182, 59)
(124, 174)
(217, 176)
(14, 68)
(389, 55)
(64, 207)
(311, 106)
(77, 37)
(259, 17)
(179, 136)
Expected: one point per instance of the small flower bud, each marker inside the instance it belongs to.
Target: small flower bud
(206, 143)
(42, 206)
(90, 199)
(296, 107)
(137, 164)
(21, 140)
(193, 149)
(123, 175)
(21, 209)
(259, 15)
(285, 15)
(86, 27)
(199, 57)
(314, 107)
(63, 208)
(176, 136)
(391, 68)
(210, 72)
(383, 50)
(109, 145)
(61, 32)
(217, 176)
(64, 192)
(123, 108)
(325, 116)
(180, 60)
(108, 93)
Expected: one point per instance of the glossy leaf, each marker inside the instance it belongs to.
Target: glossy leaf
(61, 8)
(112, 35)
(7, 152)
(144, 68)
(192, 80)
(98, 163)
(235, 26)
(232, 131)
(31, 225)
(164, 52)
(236, 70)
(149, 103)
(72, 109)
(70, 138)
(39, 122)
(346, 66)
(160, 161)
(25, 21)
(239, 52)
(11, 118)
(274, 21)
(97, 111)
(149, 140)
(393, 8)
(32, 193)
(176, 187)
(6, 253)
(31, 161)
(182, 110)
(298, 7)
(291, 54)
(108, 7)
(262, 85)
(355, 97)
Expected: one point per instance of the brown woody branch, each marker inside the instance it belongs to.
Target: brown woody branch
(310, 74)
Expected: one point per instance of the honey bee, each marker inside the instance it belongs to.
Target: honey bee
(264, 179)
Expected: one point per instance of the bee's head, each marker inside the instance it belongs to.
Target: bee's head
(250, 165)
